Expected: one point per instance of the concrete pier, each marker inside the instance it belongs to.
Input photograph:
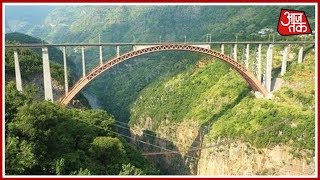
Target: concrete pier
(66, 87)
(46, 75)
(300, 55)
(268, 68)
(258, 58)
(235, 52)
(222, 48)
(284, 60)
(83, 63)
(17, 70)
(118, 51)
(100, 53)
(246, 62)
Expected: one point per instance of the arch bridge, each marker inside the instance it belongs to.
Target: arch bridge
(252, 76)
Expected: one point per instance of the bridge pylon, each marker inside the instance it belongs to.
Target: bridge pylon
(17, 70)
(48, 95)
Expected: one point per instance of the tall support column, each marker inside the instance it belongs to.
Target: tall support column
(222, 48)
(118, 51)
(268, 68)
(300, 55)
(247, 56)
(100, 51)
(66, 87)
(258, 72)
(235, 52)
(17, 70)
(83, 63)
(46, 75)
(284, 60)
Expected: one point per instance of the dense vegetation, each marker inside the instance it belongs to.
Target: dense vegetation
(30, 64)
(18, 38)
(220, 103)
(137, 73)
(30, 61)
(147, 23)
(174, 98)
(288, 119)
(45, 138)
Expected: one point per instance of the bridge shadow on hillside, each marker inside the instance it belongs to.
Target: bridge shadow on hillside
(195, 148)
(166, 157)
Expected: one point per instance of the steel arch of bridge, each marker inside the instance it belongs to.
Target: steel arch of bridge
(243, 71)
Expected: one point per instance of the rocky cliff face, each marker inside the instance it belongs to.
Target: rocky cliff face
(241, 159)
(177, 137)
(181, 134)
(219, 158)
(37, 79)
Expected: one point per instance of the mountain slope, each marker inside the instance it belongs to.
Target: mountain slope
(30, 61)
(205, 106)
(54, 53)
(147, 24)
(44, 138)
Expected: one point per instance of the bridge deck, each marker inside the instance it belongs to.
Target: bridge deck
(155, 44)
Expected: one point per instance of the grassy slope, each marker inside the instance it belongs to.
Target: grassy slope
(218, 100)
(290, 114)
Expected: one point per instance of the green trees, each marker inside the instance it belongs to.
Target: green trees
(45, 138)
(128, 169)
(54, 53)
(19, 156)
(108, 153)
(30, 64)
(15, 99)
(30, 60)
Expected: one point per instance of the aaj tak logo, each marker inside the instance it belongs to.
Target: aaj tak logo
(293, 22)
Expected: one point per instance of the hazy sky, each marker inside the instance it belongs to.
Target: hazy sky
(32, 14)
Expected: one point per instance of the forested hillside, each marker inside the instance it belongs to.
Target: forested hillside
(147, 23)
(43, 138)
(19, 38)
(214, 104)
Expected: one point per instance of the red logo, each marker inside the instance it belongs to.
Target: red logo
(293, 22)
